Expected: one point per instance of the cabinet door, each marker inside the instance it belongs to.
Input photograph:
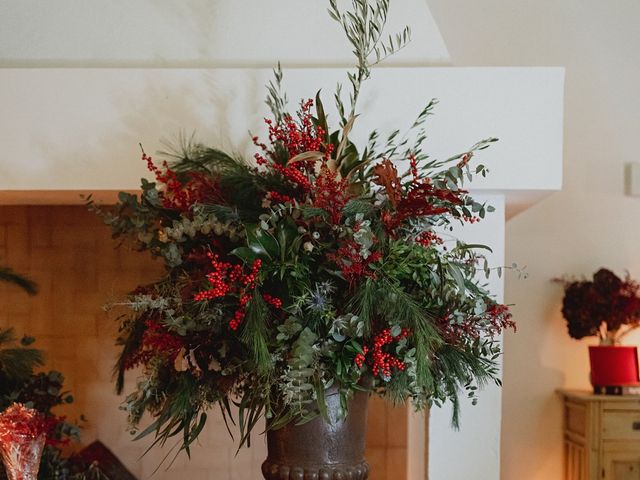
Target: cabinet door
(575, 465)
(621, 465)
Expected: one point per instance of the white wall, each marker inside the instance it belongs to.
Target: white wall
(473, 452)
(587, 225)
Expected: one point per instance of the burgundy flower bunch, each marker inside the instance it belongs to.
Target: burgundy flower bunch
(607, 306)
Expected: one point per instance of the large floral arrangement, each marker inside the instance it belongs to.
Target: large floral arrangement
(318, 263)
(607, 307)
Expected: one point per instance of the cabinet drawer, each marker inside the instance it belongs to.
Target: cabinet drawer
(621, 425)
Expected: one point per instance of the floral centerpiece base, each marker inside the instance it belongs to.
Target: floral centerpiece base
(323, 449)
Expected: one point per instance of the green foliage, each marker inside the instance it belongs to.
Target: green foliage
(16, 363)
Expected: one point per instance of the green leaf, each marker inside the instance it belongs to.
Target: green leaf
(456, 273)
(473, 246)
(262, 243)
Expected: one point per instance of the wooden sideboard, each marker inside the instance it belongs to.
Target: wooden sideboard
(601, 436)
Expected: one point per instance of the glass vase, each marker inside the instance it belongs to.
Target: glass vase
(21, 456)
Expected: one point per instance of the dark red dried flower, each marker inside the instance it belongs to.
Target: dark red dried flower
(608, 300)
(330, 193)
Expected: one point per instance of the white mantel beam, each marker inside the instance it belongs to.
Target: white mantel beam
(70, 131)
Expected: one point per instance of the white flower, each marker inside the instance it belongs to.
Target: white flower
(308, 246)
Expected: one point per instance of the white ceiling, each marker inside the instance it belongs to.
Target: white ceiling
(196, 33)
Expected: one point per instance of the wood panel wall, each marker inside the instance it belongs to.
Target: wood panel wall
(70, 254)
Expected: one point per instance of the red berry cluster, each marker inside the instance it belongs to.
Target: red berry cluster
(260, 160)
(382, 362)
(471, 219)
(296, 136)
(278, 197)
(275, 302)
(293, 174)
(361, 357)
(429, 238)
(177, 195)
(240, 313)
(227, 278)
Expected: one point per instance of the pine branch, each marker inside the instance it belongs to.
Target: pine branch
(17, 363)
(254, 333)
(8, 275)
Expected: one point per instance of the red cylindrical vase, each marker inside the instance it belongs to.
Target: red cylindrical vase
(613, 365)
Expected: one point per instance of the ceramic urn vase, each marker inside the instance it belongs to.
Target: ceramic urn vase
(321, 449)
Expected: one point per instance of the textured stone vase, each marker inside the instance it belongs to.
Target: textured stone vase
(320, 449)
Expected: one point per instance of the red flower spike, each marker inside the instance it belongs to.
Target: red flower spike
(156, 341)
(352, 264)
(330, 194)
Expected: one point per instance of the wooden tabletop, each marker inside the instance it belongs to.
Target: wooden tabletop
(589, 395)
